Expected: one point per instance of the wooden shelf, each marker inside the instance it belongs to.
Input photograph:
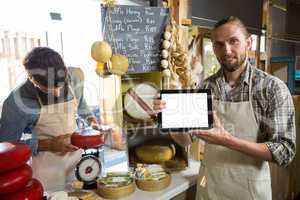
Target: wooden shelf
(186, 22)
(263, 55)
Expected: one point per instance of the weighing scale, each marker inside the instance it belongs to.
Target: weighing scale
(91, 165)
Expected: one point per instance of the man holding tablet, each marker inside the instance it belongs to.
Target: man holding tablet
(254, 122)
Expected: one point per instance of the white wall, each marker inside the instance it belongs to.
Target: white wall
(80, 27)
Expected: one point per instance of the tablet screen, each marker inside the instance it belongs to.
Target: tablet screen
(186, 109)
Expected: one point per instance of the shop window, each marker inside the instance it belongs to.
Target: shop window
(13, 48)
(16, 48)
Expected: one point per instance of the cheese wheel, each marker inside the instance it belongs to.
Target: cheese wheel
(13, 155)
(138, 101)
(84, 195)
(87, 141)
(14, 180)
(109, 192)
(32, 191)
(154, 154)
(153, 185)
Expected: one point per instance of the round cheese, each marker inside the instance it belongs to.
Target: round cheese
(32, 191)
(115, 192)
(87, 139)
(155, 154)
(138, 101)
(154, 185)
(14, 180)
(13, 155)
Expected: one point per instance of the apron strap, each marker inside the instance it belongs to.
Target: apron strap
(39, 99)
(250, 83)
(73, 94)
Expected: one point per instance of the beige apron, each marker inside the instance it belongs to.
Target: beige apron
(53, 169)
(228, 174)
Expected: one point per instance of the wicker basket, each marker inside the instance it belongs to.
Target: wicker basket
(153, 185)
(115, 192)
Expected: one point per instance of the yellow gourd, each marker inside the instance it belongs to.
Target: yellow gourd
(101, 51)
(119, 64)
(103, 68)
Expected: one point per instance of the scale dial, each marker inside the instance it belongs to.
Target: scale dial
(88, 169)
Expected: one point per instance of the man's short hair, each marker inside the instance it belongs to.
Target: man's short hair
(234, 20)
(46, 66)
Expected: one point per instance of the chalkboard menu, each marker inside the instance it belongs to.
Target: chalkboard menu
(136, 32)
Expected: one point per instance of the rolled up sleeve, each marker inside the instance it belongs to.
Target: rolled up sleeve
(281, 126)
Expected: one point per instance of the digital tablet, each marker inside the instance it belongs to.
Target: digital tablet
(186, 110)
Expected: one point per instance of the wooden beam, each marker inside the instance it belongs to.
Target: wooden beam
(268, 13)
(180, 9)
(186, 22)
(180, 16)
(257, 53)
(176, 11)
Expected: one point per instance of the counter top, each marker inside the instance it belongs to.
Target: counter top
(181, 181)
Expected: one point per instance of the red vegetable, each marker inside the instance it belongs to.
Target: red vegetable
(14, 180)
(32, 191)
(13, 155)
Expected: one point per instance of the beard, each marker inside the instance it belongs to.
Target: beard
(232, 66)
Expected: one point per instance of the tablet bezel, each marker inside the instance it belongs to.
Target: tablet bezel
(184, 129)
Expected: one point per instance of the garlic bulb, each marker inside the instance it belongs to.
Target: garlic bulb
(164, 53)
(166, 44)
(168, 28)
(167, 35)
(164, 63)
(165, 3)
(174, 59)
(166, 73)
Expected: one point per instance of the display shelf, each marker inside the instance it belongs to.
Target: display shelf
(290, 60)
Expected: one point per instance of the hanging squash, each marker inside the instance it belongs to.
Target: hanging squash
(101, 51)
(119, 64)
